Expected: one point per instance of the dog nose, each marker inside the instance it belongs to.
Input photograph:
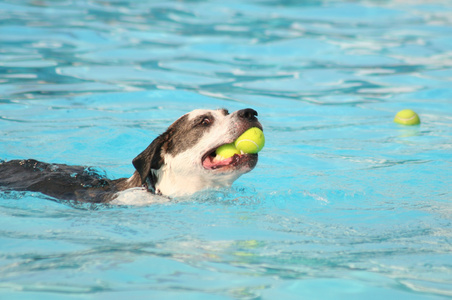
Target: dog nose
(247, 113)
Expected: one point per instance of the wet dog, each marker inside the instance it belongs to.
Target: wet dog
(179, 162)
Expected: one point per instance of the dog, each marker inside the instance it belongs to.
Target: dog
(179, 162)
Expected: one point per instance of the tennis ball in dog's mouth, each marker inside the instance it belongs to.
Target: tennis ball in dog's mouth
(407, 117)
(227, 150)
(251, 141)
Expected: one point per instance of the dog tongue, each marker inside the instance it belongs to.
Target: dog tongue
(217, 161)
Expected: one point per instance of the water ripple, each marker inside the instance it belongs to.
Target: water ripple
(343, 202)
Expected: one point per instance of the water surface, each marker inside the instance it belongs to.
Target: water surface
(344, 204)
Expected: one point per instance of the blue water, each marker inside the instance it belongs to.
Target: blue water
(344, 203)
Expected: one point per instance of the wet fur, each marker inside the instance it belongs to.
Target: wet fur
(169, 166)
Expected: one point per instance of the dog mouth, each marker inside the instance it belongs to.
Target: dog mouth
(213, 161)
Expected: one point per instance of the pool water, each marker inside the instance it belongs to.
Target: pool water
(343, 204)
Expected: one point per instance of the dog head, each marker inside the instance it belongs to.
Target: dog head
(182, 160)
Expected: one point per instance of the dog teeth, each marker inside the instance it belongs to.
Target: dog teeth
(218, 158)
(241, 152)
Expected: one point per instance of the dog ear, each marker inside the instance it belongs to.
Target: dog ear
(150, 158)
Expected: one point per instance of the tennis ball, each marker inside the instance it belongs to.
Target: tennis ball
(251, 141)
(407, 117)
(227, 150)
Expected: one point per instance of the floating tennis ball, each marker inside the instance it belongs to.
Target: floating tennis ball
(251, 141)
(407, 117)
(227, 150)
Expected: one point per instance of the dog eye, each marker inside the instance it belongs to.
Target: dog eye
(206, 121)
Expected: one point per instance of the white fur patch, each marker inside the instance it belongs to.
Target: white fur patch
(137, 196)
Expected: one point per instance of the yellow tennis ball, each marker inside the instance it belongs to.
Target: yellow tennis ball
(227, 150)
(407, 117)
(251, 141)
